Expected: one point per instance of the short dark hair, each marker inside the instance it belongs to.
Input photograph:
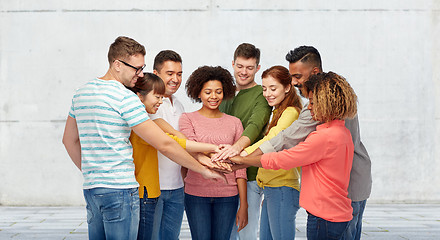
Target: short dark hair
(247, 50)
(149, 82)
(163, 56)
(305, 54)
(204, 74)
(123, 48)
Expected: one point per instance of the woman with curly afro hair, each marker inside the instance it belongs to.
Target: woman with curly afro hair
(211, 206)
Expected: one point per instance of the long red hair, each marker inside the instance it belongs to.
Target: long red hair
(292, 99)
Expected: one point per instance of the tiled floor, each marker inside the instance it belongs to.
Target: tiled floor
(381, 221)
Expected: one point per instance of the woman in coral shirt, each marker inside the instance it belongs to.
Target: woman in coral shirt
(326, 157)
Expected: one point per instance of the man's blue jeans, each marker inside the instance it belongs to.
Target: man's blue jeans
(320, 229)
(112, 213)
(354, 229)
(278, 213)
(169, 214)
(210, 218)
(254, 198)
(147, 209)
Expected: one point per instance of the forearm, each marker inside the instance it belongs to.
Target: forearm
(153, 135)
(242, 192)
(74, 151)
(241, 143)
(173, 151)
(71, 141)
(166, 127)
(246, 161)
(297, 132)
(257, 152)
(192, 146)
(252, 161)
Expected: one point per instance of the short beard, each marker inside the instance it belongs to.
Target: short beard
(300, 89)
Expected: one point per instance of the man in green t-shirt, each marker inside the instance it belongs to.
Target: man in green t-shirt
(252, 109)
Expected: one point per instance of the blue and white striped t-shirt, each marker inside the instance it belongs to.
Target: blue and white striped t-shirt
(104, 112)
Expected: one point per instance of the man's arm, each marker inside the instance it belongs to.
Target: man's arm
(152, 134)
(291, 136)
(166, 127)
(71, 141)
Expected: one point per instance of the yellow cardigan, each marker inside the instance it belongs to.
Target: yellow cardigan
(278, 178)
(146, 166)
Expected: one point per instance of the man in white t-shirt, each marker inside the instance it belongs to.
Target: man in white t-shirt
(170, 206)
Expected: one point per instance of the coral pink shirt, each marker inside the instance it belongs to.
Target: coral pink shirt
(224, 130)
(326, 157)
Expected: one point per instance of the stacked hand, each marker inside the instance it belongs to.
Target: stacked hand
(226, 151)
(217, 166)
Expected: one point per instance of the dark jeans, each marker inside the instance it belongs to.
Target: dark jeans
(320, 229)
(354, 229)
(147, 209)
(211, 218)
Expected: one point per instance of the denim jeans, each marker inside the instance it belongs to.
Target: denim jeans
(354, 229)
(147, 209)
(254, 198)
(169, 214)
(112, 213)
(210, 218)
(320, 229)
(278, 213)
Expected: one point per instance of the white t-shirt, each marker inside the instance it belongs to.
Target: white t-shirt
(170, 176)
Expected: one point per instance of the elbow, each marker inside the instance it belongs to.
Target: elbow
(64, 141)
(166, 146)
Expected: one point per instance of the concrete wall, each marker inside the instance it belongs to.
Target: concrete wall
(387, 50)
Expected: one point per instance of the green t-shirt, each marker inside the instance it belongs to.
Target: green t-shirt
(250, 106)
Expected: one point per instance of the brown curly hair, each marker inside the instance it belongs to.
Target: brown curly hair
(203, 74)
(333, 97)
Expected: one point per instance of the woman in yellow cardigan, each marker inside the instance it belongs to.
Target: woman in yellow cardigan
(150, 90)
(280, 187)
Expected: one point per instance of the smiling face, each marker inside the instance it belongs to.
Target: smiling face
(127, 75)
(244, 72)
(301, 72)
(171, 74)
(274, 91)
(151, 101)
(211, 94)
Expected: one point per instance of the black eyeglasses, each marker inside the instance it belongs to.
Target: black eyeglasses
(138, 69)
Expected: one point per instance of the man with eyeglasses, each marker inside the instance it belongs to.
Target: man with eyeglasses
(96, 137)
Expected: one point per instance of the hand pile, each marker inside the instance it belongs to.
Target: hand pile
(223, 159)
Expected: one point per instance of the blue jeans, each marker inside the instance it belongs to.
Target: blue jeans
(278, 213)
(147, 209)
(354, 229)
(169, 214)
(211, 218)
(254, 198)
(320, 229)
(112, 213)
